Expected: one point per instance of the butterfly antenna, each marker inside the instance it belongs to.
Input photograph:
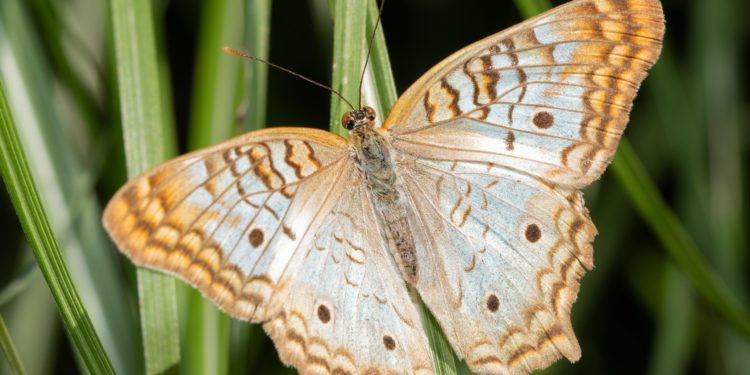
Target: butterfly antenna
(316, 83)
(369, 49)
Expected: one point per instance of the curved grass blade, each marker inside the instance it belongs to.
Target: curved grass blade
(146, 139)
(350, 44)
(23, 193)
(6, 344)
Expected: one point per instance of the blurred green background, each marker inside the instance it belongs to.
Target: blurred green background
(639, 310)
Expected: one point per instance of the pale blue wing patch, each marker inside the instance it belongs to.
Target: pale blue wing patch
(508, 252)
(344, 307)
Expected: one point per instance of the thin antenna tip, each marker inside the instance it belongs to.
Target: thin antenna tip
(232, 51)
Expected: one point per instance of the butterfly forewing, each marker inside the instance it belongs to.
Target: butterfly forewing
(550, 96)
(228, 219)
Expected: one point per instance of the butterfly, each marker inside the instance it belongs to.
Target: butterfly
(468, 193)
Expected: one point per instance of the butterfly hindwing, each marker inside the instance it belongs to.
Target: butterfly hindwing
(505, 254)
(346, 309)
(550, 96)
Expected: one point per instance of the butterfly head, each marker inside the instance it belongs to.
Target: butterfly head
(358, 118)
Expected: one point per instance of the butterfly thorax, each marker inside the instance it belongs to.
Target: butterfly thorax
(372, 156)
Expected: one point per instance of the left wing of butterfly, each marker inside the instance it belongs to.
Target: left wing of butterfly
(275, 227)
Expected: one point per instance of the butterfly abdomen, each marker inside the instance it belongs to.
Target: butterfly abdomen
(379, 173)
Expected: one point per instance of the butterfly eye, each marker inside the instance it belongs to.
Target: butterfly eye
(370, 113)
(348, 121)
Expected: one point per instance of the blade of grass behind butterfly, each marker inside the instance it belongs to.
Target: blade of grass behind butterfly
(217, 83)
(380, 77)
(245, 342)
(52, 121)
(24, 194)
(146, 141)
(676, 240)
(350, 44)
(717, 78)
(9, 349)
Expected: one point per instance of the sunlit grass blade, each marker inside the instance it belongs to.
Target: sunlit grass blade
(530, 8)
(145, 140)
(257, 35)
(384, 85)
(217, 74)
(244, 347)
(50, 121)
(218, 81)
(23, 193)
(9, 349)
(349, 42)
(379, 66)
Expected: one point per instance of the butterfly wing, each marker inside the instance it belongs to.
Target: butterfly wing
(550, 96)
(505, 254)
(273, 226)
(493, 144)
(363, 320)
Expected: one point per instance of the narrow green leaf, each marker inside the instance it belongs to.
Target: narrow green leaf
(675, 239)
(379, 66)
(530, 8)
(349, 46)
(217, 74)
(244, 343)
(146, 140)
(23, 193)
(218, 81)
(257, 35)
(6, 344)
(51, 119)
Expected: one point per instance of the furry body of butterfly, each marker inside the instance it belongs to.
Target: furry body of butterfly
(468, 192)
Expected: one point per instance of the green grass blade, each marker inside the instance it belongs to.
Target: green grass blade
(675, 239)
(34, 323)
(23, 192)
(381, 76)
(145, 144)
(73, 205)
(257, 35)
(379, 67)
(349, 42)
(673, 236)
(217, 74)
(218, 81)
(6, 344)
(530, 8)
(244, 346)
